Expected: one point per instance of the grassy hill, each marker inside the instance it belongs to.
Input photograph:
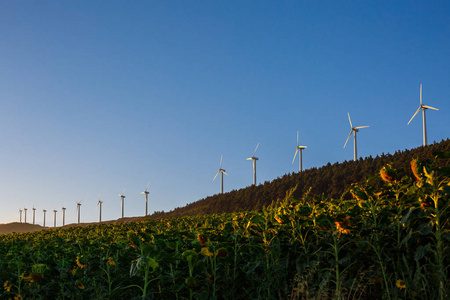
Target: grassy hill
(331, 181)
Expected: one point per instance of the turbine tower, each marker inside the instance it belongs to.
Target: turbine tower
(78, 210)
(64, 215)
(254, 159)
(353, 130)
(25, 214)
(99, 203)
(423, 108)
(54, 217)
(44, 215)
(146, 198)
(222, 171)
(122, 196)
(299, 151)
(34, 213)
(20, 211)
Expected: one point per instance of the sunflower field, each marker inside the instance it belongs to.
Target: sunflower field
(383, 243)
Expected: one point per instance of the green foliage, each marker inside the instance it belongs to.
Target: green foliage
(382, 240)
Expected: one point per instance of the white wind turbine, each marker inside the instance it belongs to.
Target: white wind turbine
(122, 196)
(423, 108)
(64, 215)
(25, 214)
(254, 159)
(78, 210)
(146, 198)
(221, 171)
(44, 215)
(34, 214)
(299, 150)
(20, 211)
(353, 130)
(99, 203)
(54, 217)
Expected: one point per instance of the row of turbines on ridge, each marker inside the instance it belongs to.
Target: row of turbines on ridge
(99, 205)
(253, 158)
(353, 131)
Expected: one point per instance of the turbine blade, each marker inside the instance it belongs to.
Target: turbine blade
(250, 158)
(359, 127)
(225, 173)
(420, 94)
(123, 191)
(255, 150)
(147, 186)
(350, 120)
(216, 175)
(294, 156)
(426, 106)
(348, 137)
(414, 115)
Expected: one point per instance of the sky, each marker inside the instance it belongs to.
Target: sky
(98, 96)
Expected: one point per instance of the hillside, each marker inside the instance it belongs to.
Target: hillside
(331, 181)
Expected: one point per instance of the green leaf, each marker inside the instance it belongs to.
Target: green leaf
(405, 217)
(426, 228)
(421, 252)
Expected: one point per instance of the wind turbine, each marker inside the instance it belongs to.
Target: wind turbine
(299, 150)
(79, 210)
(64, 215)
(34, 213)
(44, 215)
(25, 213)
(423, 108)
(254, 159)
(122, 196)
(146, 198)
(222, 171)
(99, 203)
(20, 211)
(353, 130)
(54, 217)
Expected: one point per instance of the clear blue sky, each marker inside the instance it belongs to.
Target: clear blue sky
(96, 96)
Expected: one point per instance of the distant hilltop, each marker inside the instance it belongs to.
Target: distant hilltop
(18, 228)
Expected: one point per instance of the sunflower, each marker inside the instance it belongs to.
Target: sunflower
(80, 265)
(7, 285)
(80, 285)
(111, 261)
(400, 284)
(202, 239)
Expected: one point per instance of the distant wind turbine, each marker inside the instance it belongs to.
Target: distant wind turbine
(54, 217)
(122, 196)
(99, 203)
(423, 108)
(221, 171)
(25, 214)
(299, 151)
(64, 215)
(44, 215)
(78, 210)
(254, 159)
(34, 213)
(353, 130)
(146, 198)
(20, 211)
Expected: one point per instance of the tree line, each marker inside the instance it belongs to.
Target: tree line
(328, 181)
